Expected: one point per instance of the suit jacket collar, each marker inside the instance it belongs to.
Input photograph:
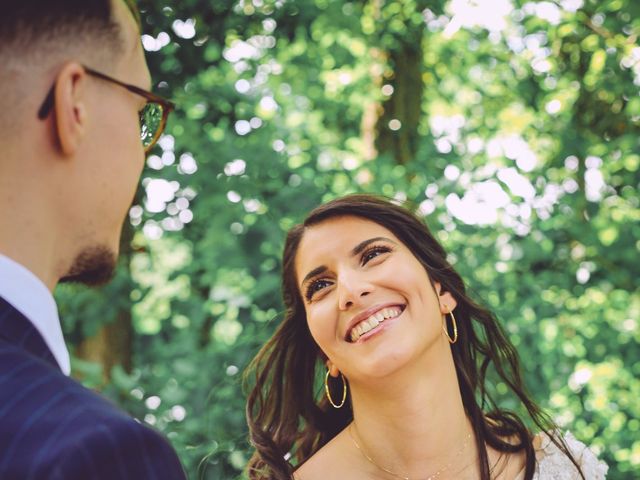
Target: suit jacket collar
(30, 296)
(17, 330)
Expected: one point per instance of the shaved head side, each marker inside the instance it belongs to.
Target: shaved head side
(38, 35)
(29, 26)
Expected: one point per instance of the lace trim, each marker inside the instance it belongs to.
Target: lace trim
(553, 464)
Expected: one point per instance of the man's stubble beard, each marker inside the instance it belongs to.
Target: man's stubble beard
(93, 266)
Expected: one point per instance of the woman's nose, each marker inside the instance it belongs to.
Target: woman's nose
(351, 290)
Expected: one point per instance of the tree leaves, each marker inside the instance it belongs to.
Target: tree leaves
(523, 159)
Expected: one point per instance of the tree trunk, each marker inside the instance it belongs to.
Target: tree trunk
(391, 127)
(397, 126)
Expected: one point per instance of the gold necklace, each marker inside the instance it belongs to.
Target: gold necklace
(397, 475)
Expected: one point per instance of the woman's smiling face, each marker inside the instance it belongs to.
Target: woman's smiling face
(369, 303)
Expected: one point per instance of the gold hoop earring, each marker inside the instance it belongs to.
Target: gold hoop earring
(328, 393)
(454, 324)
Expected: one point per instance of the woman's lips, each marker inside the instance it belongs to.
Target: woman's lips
(374, 322)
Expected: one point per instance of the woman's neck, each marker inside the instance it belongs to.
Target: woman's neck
(413, 422)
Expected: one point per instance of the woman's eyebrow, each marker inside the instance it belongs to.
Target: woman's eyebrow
(355, 251)
(314, 273)
(362, 245)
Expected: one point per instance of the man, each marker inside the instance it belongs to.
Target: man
(72, 84)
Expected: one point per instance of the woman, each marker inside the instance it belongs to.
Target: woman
(371, 298)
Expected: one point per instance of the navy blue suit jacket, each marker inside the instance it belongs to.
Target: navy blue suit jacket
(51, 427)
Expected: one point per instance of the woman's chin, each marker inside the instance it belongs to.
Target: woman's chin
(382, 364)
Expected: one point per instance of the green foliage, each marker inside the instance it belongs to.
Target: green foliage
(537, 122)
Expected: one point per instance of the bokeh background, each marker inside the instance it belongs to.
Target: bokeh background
(512, 127)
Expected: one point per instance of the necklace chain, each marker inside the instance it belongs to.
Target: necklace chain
(433, 476)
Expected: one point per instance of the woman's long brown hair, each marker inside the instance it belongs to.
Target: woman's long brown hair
(288, 421)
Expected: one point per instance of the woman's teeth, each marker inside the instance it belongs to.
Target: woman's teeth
(373, 321)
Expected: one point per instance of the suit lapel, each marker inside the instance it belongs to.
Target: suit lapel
(17, 330)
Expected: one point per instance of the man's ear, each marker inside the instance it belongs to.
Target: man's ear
(447, 301)
(70, 108)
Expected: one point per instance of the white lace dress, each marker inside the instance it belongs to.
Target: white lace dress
(552, 464)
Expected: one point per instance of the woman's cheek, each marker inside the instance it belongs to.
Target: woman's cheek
(321, 327)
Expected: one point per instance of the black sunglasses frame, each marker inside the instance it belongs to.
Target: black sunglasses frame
(167, 105)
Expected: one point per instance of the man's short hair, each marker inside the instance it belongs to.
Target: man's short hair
(35, 33)
(29, 26)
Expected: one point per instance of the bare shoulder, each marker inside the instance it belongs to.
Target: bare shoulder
(334, 460)
(316, 467)
(325, 463)
(507, 466)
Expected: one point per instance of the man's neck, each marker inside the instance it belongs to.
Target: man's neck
(35, 262)
(28, 238)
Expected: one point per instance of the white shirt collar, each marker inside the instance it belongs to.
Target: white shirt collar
(32, 298)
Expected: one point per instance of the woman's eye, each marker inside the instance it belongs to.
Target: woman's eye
(315, 287)
(372, 253)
